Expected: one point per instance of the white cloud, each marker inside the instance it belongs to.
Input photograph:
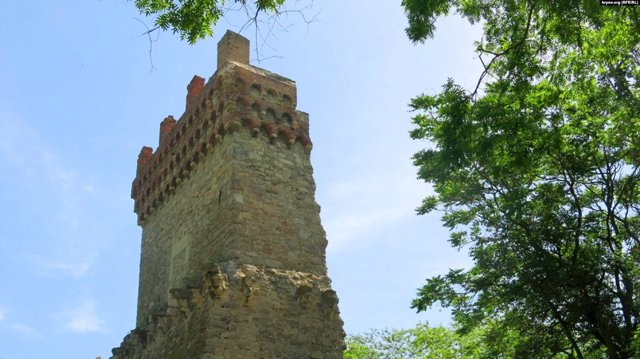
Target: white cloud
(48, 184)
(354, 210)
(83, 319)
(39, 167)
(73, 263)
(24, 331)
(354, 226)
(20, 329)
(75, 269)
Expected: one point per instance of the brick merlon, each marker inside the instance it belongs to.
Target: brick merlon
(144, 157)
(165, 129)
(193, 89)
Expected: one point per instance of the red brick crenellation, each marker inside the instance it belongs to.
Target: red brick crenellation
(193, 90)
(144, 157)
(166, 126)
(236, 98)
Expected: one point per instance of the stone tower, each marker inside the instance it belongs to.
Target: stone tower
(233, 252)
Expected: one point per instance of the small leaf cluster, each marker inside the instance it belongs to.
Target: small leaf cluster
(194, 19)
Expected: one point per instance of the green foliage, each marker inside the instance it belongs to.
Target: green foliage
(537, 172)
(194, 19)
(423, 342)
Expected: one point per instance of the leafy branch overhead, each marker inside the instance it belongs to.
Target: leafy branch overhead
(194, 19)
(536, 171)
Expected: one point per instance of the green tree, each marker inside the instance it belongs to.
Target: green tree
(536, 172)
(194, 19)
(421, 342)
(383, 344)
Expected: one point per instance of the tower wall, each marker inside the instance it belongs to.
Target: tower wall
(233, 251)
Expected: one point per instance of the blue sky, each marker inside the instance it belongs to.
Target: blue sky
(79, 97)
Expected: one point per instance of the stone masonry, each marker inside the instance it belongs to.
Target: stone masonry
(233, 252)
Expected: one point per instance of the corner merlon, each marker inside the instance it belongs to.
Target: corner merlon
(233, 47)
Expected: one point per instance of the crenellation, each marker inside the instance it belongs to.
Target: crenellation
(146, 153)
(166, 126)
(276, 118)
(193, 90)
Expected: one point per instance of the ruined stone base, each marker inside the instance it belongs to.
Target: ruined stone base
(240, 311)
